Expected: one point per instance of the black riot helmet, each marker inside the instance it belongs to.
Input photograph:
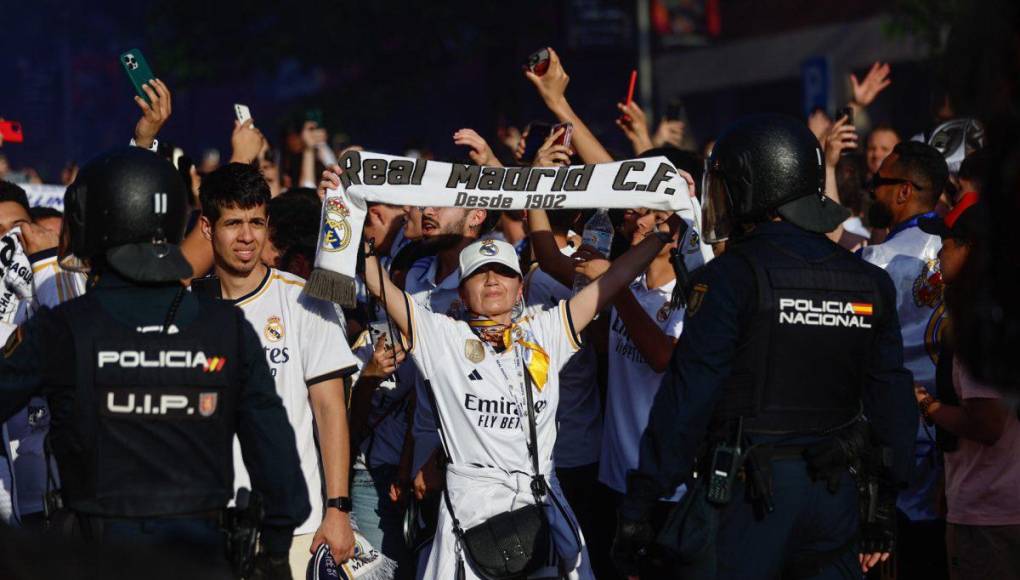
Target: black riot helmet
(128, 209)
(762, 166)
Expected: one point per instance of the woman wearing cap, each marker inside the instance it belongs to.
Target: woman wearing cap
(479, 369)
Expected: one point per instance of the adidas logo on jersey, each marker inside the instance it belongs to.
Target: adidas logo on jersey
(164, 359)
(475, 375)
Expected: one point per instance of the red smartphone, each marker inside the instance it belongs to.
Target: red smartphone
(538, 62)
(11, 131)
(568, 132)
(630, 92)
(630, 89)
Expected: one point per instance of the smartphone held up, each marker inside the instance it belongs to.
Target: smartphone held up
(538, 62)
(138, 71)
(11, 132)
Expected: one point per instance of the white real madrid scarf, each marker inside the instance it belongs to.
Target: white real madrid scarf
(372, 177)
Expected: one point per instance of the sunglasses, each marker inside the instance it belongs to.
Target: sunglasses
(878, 181)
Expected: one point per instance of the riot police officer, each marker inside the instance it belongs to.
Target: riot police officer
(147, 383)
(787, 379)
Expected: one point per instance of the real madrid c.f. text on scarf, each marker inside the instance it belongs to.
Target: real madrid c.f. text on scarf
(371, 177)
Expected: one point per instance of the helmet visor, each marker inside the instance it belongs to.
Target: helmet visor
(717, 214)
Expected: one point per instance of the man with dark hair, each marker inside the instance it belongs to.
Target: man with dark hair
(905, 190)
(304, 344)
(14, 208)
(47, 217)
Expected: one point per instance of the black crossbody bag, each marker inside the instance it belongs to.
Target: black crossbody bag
(512, 544)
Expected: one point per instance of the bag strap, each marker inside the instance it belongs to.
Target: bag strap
(538, 485)
(457, 530)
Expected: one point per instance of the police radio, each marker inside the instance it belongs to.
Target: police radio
(725, 464)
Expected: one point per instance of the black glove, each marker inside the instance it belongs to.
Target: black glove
(878, 533)
(631, 545)
(273, 567)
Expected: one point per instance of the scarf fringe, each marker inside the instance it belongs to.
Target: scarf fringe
(332, 286)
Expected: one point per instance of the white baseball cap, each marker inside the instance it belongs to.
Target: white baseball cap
(486, 252)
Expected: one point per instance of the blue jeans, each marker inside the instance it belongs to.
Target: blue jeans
(379, 519)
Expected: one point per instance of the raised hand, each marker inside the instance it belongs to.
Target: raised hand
(670, 132)
(840, 137)
(155, 113)
(480, 152)
(550, 155)
(875, 82)
(634, 124)
(246, 142)
(553, 84)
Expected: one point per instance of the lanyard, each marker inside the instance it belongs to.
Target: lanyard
(911, 223)
(516, 389)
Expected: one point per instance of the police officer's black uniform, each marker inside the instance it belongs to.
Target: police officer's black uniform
(148, 384)
(789, 342)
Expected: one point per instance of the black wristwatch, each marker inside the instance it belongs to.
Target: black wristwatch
(343, 504)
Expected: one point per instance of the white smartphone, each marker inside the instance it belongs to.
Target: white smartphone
(242, 111)
(380, 328)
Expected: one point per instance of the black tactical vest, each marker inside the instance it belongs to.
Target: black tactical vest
(801, 361)
(154, 415)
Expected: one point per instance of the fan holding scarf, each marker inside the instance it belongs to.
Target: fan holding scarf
(495, 387)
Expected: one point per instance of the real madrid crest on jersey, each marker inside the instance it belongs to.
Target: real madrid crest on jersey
(928, 285)
(663, 314)
(488, 248)
(336, 231)
(474, 351)
(693, 242)
(274, 329)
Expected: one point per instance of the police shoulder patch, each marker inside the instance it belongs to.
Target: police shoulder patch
(695, 299)
(13, 341)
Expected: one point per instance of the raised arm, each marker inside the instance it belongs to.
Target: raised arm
(547, 251)
(392, 296)
(551, 87)
(841, 136)
(595, 296)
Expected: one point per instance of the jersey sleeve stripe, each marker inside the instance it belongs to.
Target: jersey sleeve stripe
(568, 324)
(412, 310)
(337, 374)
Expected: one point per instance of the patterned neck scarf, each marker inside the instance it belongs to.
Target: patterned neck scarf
(503, 336)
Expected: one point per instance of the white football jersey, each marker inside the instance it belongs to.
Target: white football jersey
(305, 343)
(633, 385)
(481, 397)
(911, 258)
(580, 408)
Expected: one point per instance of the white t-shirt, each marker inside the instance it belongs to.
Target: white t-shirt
(480, 394)
(580, 409)
(305, 343)
(633, 385)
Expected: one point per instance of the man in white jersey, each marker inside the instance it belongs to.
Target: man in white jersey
(906, 188)
(305, 346)
(479, 390)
